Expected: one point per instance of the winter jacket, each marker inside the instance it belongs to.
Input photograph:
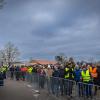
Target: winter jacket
(77, 75)
(56, 73)
(61, 73)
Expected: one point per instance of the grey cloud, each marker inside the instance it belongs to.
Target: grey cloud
(44, 28)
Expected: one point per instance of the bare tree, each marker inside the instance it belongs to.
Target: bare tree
(2, 57)
(61, 58)
(9, 54)
(91, 60)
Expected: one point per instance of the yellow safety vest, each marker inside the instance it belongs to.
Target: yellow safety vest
(4, 69)
(67, 76)
(1, 70)
(86, 76)
(30, 70)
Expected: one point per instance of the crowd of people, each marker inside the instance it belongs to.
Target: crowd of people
(60, 77)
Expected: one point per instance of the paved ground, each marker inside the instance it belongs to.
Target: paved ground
(18, 90)
(14, 90)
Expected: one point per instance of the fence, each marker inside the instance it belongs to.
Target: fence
(59, 87)
(63, 87)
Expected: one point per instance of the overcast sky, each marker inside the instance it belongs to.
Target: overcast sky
(45, 28)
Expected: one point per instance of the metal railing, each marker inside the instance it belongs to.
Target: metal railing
(59, 87)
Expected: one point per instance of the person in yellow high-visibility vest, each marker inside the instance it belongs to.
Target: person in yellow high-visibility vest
(69, 76)
(1, 77)
(87, 81)
(29, 70)
(4, 68)
(86, 77)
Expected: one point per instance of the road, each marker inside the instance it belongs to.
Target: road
(16, 90)
(19, 90)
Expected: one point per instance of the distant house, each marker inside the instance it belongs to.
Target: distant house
(42, 62)
(21, 63)
(17, 63)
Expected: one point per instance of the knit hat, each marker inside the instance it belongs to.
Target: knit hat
(76, 67)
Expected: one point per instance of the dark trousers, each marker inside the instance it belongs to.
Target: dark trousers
(87, 89)
(96, 83)
(1, 79)
(23, 76)
(1, 82)
(12, 75)
(80, 88)
(41, 81)
(55, 85)
(68, 84)
(4, 75)
(17, 76)
(61, 81)
(49, 84)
